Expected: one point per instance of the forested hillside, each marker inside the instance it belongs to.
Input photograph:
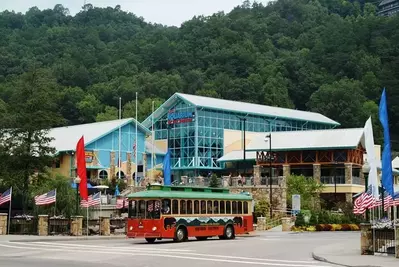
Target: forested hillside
(328, 56)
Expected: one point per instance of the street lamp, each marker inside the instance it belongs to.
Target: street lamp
(77, 182)
(366, 171)
(269, 137)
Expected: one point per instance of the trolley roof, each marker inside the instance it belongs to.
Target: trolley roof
(184, 192)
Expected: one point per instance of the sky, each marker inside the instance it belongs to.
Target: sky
(167, 12)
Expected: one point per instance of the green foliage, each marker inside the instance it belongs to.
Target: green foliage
(112, 184)
(262, 208)
(314, 218)
(300, 220)
(308, 188)
(66, 195)
(215, 181)
(323, 56)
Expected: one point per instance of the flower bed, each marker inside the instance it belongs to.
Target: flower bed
(326, 227)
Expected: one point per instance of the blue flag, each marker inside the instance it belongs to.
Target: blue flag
(387, 176)
(166, 169)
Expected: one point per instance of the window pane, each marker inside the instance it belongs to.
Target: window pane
(196, 207)
(222, 209)
(203, 207)
(183, 207)
(132, 209)
(234, 207)
(209, 207)
(165, 206)
(228, 207)
(216, 207)
(189, 207)
(141, 209)
(246, 207)
(175, 206)
(239, 207)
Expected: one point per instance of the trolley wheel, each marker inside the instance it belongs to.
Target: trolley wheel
(181, 234)
(150, 240)
(229, 232)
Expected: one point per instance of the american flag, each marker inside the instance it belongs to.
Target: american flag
(363, 201)
(47, 198)
(122, 203)
(6, 196)
(388, 201)
(92, 201)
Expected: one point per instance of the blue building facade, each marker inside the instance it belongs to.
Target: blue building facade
(198, 130)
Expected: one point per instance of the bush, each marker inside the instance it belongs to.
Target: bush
(324, 217)
(215, 181)
(261, 208)
(300, 220)
(313, 219)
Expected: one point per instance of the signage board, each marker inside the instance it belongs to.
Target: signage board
(296, 204)
(180, 117)
(89, 155)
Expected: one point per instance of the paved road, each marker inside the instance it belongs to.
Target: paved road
(268, 249)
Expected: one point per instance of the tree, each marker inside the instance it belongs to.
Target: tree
(24, 133)
(307, 188)
(215, 181)
(110, 113)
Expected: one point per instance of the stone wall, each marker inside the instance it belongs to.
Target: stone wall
(42, 226)
(366, 239)
(76, 225)
(317, 172)
(278, 194)
(3, 223)
(348, 173)
(112, 165)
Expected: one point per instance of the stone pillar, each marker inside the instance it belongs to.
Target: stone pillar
(112, 166)
(349, 197)
(200, 181)
(397, 241)
(348, 173)
(261, 225)
(105, 226)
(287, 224)
(366, 239)
(257, 174)
(76, 225)
(129, 165)
(42, 226)
(3, 223)
(317, 172)
(286, 170)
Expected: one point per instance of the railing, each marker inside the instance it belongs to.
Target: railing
(356, 180)
(93, 226)
(384, 241)
(59, 226)
(24, 225)
(330, 179)
(118, 226)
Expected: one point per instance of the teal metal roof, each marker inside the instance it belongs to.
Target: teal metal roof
(181, 192)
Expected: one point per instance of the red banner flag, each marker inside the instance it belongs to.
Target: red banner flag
(81, 168)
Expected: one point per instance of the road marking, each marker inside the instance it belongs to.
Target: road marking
(205, 257)
(148, 247)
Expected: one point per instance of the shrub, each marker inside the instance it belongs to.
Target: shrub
(323, 217)
(327, 227)
(313, 219)
(354, 227)
(311, 228)
(336, 227)
(345, 227)
(320, 227)
(300, 220)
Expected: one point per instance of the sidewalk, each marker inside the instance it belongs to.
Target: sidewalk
(348, 254)
(35, 238)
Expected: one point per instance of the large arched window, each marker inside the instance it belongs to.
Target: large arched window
(122, 175)
(103, 174)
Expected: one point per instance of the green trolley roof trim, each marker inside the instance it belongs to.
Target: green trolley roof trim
(183, 192)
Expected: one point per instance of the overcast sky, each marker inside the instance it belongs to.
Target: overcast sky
(168, 12)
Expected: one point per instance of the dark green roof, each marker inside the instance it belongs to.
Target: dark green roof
(180, 192)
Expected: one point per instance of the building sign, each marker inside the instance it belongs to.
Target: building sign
(180, 117)
(296, 204)
(89, 155)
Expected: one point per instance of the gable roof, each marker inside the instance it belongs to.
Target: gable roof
(66, 138)
(300, 140)
(239, 107)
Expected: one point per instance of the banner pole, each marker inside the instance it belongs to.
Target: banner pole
(55, 203)
(100, 212)
(9, 213)
(87, 220)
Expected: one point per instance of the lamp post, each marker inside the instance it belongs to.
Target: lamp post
(269, 137)
(366, 170)
(77, 182)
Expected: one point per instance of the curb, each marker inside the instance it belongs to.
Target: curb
(67, 239)
(319, 258)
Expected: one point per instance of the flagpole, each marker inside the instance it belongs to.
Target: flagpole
(153, 140)
(87, 220)
(136, 145)
(120, 137)
(9, 212)
(100, 212)
(55, 203)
